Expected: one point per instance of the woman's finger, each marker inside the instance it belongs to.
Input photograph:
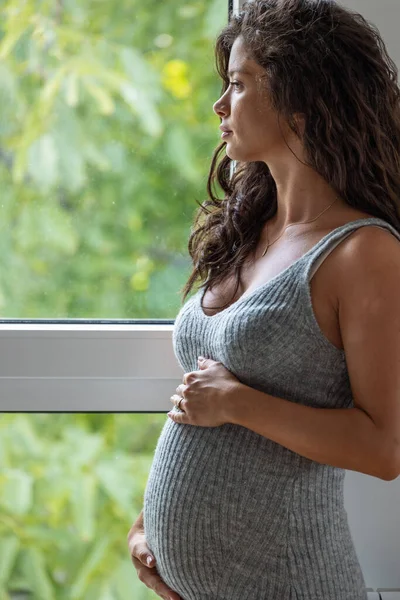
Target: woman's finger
(150, 577)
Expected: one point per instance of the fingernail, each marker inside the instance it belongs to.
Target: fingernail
(149, 560)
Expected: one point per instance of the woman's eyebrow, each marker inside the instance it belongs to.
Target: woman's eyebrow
(241, 71)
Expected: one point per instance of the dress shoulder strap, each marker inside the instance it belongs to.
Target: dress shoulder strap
(317, 255)
(333, 239)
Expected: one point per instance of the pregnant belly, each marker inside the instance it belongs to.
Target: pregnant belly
(207, 504)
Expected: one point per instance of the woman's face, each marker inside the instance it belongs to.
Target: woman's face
(245, 110)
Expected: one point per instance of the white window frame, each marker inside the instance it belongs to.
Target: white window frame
(88, 365)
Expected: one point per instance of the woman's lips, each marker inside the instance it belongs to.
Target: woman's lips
(225, 133)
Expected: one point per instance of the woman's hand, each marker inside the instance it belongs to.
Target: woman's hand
(148, 575)
(207, 394)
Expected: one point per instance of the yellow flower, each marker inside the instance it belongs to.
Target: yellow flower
(175, 68)
(174, 78)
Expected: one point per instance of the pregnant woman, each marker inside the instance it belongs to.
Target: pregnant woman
(297, 317)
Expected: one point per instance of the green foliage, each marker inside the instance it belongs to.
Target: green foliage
(106, 136)
(70, 488)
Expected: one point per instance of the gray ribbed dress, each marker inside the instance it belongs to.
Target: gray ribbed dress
(228, 513)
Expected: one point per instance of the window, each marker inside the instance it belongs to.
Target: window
(106, 129)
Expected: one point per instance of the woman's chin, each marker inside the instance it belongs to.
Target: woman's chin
(230, 153)
(236, 154)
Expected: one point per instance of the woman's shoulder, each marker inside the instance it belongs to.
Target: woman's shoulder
(367, 238)
(367, 251)
(349, 269)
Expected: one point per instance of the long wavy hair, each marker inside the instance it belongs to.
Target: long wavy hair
(331, 64)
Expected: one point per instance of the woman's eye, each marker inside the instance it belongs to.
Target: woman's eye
(235, 83)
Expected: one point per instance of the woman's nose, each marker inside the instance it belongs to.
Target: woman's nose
(219, 109)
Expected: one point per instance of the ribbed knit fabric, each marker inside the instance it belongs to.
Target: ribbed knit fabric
(228, 513)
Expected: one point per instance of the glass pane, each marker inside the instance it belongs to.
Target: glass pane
(71, 485)
(107, 132)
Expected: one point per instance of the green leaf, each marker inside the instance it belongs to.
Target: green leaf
(25, 438)
(106, 593)
(72, 90)
(215, 18)
(164, 286)
(141, 72)
(141, 104)
(70, 141)
(84, 65)
(9, 546)
(180, 153)
(15, 491)
(83, 499)
(98, 590)
(4, 454)
(43, 161)
(4, 595)
(47, 225)
(125, 578)
(95, 557)
(15, 29)
(42, 534)
(117, 478)
(104, 100)
(34, 568)
(50, 90)
(8, 91)
(97, 158)
(81, 446)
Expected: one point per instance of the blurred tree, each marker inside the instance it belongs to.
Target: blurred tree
(70, 488)
(106, 135)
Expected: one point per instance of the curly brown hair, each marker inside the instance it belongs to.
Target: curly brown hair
(345, 84)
